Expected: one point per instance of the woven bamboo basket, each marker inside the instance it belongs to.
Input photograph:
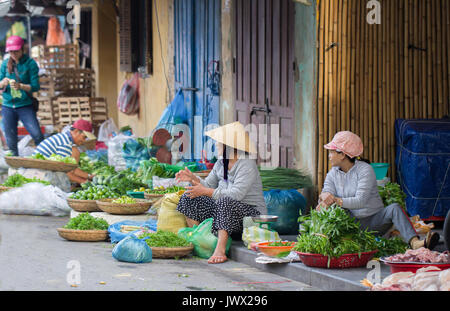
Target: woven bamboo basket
(83, 205)
(140, 207)
(171, 252)
(83, 235)
(4, 189)
(49, 165)
(153, 198)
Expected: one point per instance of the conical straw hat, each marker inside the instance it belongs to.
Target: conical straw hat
(233, 135)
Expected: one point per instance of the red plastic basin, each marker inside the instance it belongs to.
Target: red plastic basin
(343, 262)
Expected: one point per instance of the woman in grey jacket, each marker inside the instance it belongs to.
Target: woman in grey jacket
(352, 184)
(232, 190)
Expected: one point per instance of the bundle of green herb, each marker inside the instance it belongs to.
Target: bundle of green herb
(86, 221)
(163, 238)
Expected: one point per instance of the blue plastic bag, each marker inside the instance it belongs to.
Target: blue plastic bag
(132, 249)
(133, 153)
(114, 229)
(175, 113)
(286, 204)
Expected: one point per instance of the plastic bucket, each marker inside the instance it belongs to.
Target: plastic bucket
(380, 169)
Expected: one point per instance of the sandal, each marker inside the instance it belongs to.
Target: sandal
(431, 240)
(217, 259)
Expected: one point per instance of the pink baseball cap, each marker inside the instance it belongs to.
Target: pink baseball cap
(346, 142)
(85, 126)
(14, 43)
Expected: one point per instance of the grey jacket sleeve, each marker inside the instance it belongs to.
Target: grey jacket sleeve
(245, 177)
(212, 180)
(366, 182)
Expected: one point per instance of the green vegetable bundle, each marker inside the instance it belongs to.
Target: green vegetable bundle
(152, 167)
(54, 157)
(392, 193)
(97, 167)
(124, 200)
(333, 232)
(163, 238)
(85, 221)
(284, 179)
(163, 190)
(18, 180)
(120, 182)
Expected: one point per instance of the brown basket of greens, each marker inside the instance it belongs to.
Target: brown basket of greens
(53, 163)
(124, 206)
(166, 244)
(85, 228)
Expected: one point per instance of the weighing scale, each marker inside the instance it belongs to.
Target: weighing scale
(265, 221)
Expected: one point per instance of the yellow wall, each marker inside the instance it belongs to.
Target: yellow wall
(104, 53)
(153, 90)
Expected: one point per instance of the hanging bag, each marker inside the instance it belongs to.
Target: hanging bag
(128, 99)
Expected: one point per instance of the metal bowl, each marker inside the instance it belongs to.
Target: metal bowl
(265, 218)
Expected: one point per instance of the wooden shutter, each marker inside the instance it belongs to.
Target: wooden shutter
(125, 36)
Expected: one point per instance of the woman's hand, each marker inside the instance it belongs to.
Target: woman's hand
(4, 82)
(327, 198)
(198, 190)
(14, 85)
(186, 175)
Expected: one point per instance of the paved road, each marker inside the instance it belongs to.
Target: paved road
(33, 257)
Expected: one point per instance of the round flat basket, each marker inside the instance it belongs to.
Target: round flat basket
(4, 189)
(83, 205)
(140, 207)
(83, 235)
(55, 166)
(343, 262)
(171, 252)
(152, 198)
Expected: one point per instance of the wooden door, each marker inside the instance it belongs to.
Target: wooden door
(263, 72)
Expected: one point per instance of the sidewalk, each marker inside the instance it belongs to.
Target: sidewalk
(324, 279)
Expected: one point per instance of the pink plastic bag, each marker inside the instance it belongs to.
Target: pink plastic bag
(128, 100)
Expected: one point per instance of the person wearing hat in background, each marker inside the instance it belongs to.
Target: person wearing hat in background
(18, 80)
(63, 144)
(231, 191)
(352, 184)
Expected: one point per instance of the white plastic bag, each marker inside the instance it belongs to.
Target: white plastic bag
(115, 146)
(35, 199)
(106, 130)
(168, 182)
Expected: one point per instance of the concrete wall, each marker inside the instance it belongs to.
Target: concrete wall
(154, 92)
(104, 53)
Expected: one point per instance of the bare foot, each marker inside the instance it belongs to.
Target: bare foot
(214, 259)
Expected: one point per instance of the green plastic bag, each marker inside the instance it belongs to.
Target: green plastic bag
(203, 239)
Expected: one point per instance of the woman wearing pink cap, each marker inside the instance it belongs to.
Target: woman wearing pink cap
(18, 80)
(352, 184)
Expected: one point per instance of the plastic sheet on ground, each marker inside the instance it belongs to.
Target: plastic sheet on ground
(35, 199)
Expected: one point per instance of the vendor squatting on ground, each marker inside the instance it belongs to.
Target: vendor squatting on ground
(352, 184)
(63, 144)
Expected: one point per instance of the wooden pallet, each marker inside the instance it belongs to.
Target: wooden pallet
(99, 110)
(72, 109)
(48, 113)
(67, 82)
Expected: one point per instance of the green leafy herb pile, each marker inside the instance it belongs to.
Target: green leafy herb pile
(149, 168)
(284, 179)
(162, 190)
(124, 200)
(333, 232)
(97, 167)
(163, 238)
(392, 246)
(18, 180)
(54, 157)
(392, 193)
(85, 221)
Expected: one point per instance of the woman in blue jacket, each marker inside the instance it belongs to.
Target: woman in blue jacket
(19, 79)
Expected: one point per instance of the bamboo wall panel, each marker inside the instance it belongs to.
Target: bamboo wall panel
(370, 75)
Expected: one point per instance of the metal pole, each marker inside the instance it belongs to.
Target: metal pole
(29, 29)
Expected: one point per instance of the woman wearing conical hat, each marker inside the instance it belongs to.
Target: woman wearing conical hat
(232, 190)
